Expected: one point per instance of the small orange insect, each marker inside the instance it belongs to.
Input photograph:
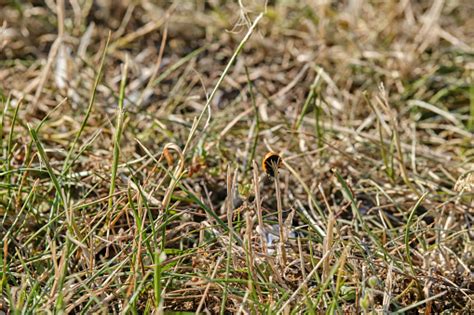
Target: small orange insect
(270, 163)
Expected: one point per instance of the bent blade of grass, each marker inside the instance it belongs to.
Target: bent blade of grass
(72, 228)
(118, 133)
(435, 109)
(383, 151)
(177, 65)
(347, 193)
(67, 164)
(49, 113)
(50, 170)
(207, 106)
(10, 139)
(2, 123)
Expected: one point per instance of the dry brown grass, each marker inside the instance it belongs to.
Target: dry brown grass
(370, 104)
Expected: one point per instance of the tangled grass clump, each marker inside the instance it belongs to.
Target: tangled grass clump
(132, 143)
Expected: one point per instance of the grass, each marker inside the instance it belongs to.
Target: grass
(133, 134)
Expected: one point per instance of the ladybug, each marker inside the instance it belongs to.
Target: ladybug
(270, 163)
